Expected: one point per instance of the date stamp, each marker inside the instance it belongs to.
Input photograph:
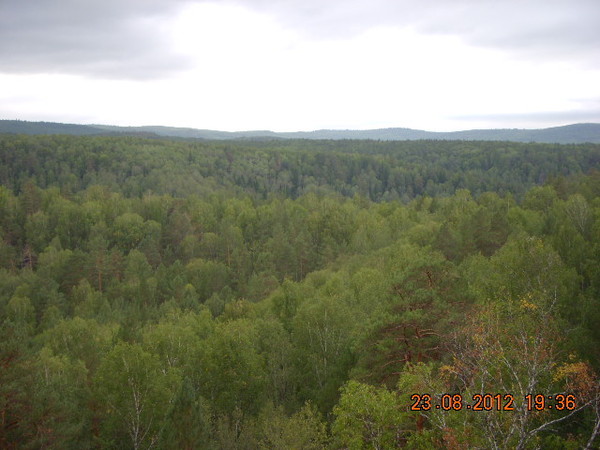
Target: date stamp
(492, 402)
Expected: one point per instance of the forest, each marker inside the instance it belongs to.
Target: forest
(269, 294)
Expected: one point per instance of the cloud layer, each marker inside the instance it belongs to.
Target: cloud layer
(107, 38)
(301, 64)
(548, 28)
(131, 39)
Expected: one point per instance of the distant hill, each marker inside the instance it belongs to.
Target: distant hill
(568, 134)
(23, 127)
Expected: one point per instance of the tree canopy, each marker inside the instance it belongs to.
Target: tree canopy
(298, 294)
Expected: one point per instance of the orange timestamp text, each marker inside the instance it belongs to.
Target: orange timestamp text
(492, 402)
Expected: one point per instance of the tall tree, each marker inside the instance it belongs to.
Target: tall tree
(135, 395)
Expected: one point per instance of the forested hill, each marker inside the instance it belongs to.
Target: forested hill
(569, 134)
(298, 294)
(384, 170)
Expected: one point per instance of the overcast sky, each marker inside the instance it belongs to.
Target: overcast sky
(288, 65)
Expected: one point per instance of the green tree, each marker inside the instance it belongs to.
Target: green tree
(231, 371)
(60, 401)
(303, 430)
(368, 417)
(322, 335)
(187, 425)
(80, 339)
(135, 395)
(128, 231)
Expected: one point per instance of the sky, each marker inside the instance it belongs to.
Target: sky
(292, 65)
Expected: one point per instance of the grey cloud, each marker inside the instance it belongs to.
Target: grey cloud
(125, 38)
(561, 29)
(107, 38)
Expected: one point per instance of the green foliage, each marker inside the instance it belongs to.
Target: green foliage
(80, 339)
(293, 294)
(230, 370)
(322, 335)
(382, 171)
(188, 421)
(303, 430)
(367, 417)
(134, 393)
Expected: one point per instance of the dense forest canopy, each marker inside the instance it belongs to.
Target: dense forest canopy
(298, 294)
(380, 171)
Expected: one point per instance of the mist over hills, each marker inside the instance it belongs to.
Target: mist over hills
(568, 134)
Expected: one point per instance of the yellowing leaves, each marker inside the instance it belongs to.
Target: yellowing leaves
(526, 302)
(528, 305)
(579, 378)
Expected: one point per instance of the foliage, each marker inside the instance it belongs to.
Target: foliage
(294, 294)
